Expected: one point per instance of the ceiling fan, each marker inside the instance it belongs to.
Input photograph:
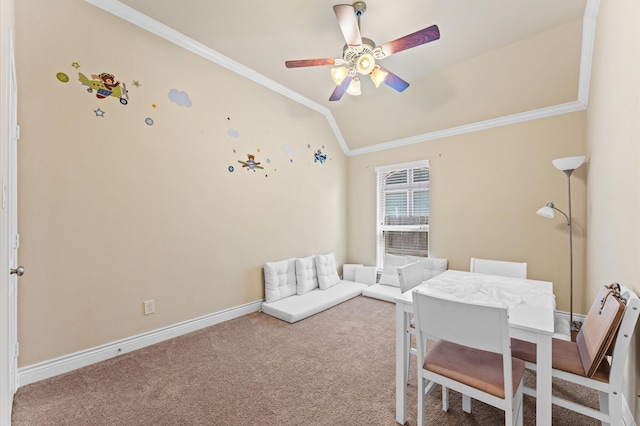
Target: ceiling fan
(359, 55)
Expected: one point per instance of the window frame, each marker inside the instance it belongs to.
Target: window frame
(409, 187)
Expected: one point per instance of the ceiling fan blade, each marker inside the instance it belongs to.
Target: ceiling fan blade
(340, 89)
(395, 82)
(422, 36)
(309, 62)
(348, 24)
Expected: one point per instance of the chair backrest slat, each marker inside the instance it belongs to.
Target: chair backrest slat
(623, 340)
(477, 326)
(410, 276)
(499, 267)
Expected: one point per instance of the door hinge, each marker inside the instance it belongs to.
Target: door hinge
(17, 241)
(17, 350)
(17, 132)
(4, 195)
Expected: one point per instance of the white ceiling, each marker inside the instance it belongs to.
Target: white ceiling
(262, 35)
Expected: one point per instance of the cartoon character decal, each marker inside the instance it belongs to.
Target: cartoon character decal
(251, 163)
(105, 85)
(319, 157)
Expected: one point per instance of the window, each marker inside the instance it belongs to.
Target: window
(403, 210)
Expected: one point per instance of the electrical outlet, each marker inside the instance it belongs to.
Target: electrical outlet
(149, 307)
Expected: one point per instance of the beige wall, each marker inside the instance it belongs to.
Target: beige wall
(113, 211)
(485, 189)
(613, 136)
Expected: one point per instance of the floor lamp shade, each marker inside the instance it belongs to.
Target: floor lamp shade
(568, 163)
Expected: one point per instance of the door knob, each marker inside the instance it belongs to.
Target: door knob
(19, 271)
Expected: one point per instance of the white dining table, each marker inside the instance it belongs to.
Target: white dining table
(531, 306)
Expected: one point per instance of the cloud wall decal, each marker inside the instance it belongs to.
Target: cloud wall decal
(180, 98)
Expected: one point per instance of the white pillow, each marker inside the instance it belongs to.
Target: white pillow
(306, 277)
(431, 266)
(389, 275)
(349, 271)
(279, 279)
(327, 271)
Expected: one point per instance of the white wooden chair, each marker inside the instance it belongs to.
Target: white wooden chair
(472, 357)
(410, 276)
(499, 267)
(580, 363)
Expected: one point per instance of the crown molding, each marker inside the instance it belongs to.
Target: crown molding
(473, 127)
(143, 21)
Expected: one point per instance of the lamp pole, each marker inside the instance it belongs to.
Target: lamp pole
(567, 165)
(570, 221)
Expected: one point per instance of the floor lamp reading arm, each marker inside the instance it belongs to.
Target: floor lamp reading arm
(547, 211)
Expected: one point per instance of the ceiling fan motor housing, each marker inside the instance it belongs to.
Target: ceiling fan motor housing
(352, 54)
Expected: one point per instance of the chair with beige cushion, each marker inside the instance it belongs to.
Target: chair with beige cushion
(472, 354)
(597, 358)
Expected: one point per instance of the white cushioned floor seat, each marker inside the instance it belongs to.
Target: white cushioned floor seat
(297, 307)
(298, 288)
(388, 286)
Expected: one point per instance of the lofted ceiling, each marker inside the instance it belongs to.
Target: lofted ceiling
(259, 36)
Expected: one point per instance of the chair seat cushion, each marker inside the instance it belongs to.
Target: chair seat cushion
(476, 368)
(565, 357)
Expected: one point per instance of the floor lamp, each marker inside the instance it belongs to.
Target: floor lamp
(567, 165)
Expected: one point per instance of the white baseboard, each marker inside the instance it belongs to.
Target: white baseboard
(64, 364)
(566, 316)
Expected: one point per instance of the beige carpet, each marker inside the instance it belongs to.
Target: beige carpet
(335, 368)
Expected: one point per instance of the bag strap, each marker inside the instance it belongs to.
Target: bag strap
(615, 291)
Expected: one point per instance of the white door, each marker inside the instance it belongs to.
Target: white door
(9, 269)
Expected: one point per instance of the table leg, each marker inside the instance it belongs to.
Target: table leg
(543, 380)
(402, 337)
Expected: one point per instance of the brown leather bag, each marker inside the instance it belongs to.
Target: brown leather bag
(600, 327)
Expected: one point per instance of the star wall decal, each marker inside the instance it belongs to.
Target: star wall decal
(75, 65)
(99, 112)
(136, 83)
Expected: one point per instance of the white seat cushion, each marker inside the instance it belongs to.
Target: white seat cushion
(295, 308)
(279, 279)
(306, 276)
(431, 266)
(388, 293)
(389, 275)
(327, 270)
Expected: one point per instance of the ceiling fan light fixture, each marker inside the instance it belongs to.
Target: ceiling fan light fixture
(365, 63)
(339, 74)
(359, 54)
(378, 76)
(354, 87)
